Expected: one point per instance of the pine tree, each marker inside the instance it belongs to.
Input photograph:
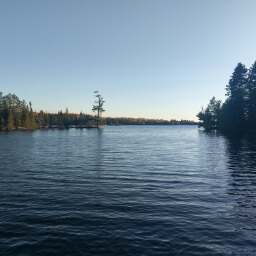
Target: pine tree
(5, 113)
(33, 124)
(66, 119)
(25, 120)
(60, 119)
(10, 122)
(236, 110)
(98, 108)
(210, 117)
(251, 96)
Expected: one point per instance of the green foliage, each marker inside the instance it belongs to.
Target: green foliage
(15, 114)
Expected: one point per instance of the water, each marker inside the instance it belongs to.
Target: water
(130, 190)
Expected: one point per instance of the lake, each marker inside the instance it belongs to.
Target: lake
(127, 190)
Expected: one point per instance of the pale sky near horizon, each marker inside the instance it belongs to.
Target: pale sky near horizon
(147, 58)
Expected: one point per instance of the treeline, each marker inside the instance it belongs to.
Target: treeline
(65, 119)
(238, 112)
(17, 115)
(144, 121)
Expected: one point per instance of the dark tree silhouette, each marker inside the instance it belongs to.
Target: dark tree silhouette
(98, 108)
(238, 112)
(235, 104)
(251, 96)
(210, 117)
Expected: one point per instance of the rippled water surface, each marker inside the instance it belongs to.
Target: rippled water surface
(130, 190)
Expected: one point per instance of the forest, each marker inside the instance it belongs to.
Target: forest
(16, 114)
(145, 121)
(238, 112)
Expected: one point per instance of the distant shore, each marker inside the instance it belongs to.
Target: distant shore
(16, 114)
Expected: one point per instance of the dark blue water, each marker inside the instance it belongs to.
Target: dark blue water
(130, 190)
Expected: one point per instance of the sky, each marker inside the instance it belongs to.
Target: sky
(161, 59)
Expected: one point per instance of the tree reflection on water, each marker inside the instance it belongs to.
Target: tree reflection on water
(241, 162)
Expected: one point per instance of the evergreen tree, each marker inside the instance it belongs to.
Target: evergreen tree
(236, 98)
(60, 122)
(10, 122)
(40, 119)
(251, 97)
(17, 119)
(66, 119)
(210, 117)
(46, 121)
(25, 117)
(98, 108)
(5, 113)
(33, 124)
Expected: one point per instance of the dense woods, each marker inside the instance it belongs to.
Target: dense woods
(238, 112)
(16, 114)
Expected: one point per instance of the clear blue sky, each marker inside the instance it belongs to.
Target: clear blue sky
(148, 58)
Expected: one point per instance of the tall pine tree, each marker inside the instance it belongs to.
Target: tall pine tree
(251, 97)
(235, 105)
